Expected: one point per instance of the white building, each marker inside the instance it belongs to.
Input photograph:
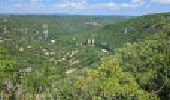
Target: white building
(5, 30)
(29, 46)
(44, 50)
(25, 30)
(70, 71)
(89, 41)
(52, 53)
(73, 38)
(104, 50)
(52, 41)
(1, 41)
(21, 49)
(45, 31)
(46, 53)
(92, 42)
(126, 31)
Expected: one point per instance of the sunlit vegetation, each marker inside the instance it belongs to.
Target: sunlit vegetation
(85, 57)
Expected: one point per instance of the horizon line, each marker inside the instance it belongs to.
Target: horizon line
(69, 14)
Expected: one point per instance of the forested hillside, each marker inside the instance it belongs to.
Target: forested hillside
(130, 31)
(85, 57)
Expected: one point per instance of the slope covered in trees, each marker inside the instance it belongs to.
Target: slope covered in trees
(132, 30)
(126, 61)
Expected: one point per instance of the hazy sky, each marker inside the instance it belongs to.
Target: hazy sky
(86, 7)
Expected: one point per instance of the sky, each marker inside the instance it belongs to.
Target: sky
(86, 7)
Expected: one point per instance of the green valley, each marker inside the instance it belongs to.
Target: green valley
(64, 57)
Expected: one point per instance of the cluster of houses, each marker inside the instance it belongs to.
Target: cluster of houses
(35, 34)
(61, 56)
(51, 53)
(91, 40)
(94, 23)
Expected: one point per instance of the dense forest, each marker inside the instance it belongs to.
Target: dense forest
(85, 57)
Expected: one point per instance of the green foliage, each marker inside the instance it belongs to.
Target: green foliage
(109, 82)
(7, 65)
(128, 60)
(133, 30)
(148, 61)
(8, 73)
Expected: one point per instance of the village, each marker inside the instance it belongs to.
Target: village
(53, 50)
(49, 57)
